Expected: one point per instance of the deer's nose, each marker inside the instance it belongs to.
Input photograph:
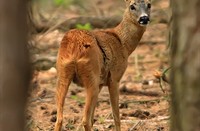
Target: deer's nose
(144, 20)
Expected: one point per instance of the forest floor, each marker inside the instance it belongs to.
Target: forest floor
(143, 105)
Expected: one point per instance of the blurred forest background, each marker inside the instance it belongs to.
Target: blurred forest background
(144, 92)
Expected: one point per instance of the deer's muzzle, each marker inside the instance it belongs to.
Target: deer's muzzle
(143, 20)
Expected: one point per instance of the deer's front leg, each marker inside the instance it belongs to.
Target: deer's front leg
(114, 99)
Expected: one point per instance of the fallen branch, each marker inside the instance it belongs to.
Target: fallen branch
(42, 99)
(43, 62)
(133, 128)
(96, 22)
(125, 90)
(144, 101)
(157, 119)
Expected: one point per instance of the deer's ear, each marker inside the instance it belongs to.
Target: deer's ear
(127, 2)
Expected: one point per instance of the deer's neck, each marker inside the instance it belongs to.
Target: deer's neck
(130, 32)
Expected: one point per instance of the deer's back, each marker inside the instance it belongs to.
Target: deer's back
(99, 50)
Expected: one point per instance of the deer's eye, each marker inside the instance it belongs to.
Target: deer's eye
(132, 7)
(149, 5)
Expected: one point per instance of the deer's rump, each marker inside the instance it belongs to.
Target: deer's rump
(79, 53)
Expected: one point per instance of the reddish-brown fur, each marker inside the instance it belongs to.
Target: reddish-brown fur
(94, 59)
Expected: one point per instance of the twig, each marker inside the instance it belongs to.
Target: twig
(159, 118)
(29, 123)
(40, 99)
(50, 29)
(161, 87)
(146, 61)
(143, 101)
(164, 78)
(134, 126)
(161, 76)
(140, 123)
(136, 101)
(39, 128)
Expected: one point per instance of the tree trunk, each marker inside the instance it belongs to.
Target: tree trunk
(14, 64)
(185, 75)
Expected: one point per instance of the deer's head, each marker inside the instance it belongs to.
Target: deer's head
(139, 10)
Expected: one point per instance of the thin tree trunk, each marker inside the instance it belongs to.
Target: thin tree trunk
(185, 75)
(14, 64)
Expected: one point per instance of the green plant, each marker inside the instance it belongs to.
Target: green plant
(78, 99)
(86, 26)
(63, 2)
(101, 120)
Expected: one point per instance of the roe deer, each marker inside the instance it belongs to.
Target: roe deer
(98, 58)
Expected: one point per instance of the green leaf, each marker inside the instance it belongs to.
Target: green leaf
(79, 100)
(59, 2)
(86, 26)
(65, 3)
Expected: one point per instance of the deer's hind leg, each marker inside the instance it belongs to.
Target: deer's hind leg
(100, 87)
(90, 80)
(91, 101)
(65, 75)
